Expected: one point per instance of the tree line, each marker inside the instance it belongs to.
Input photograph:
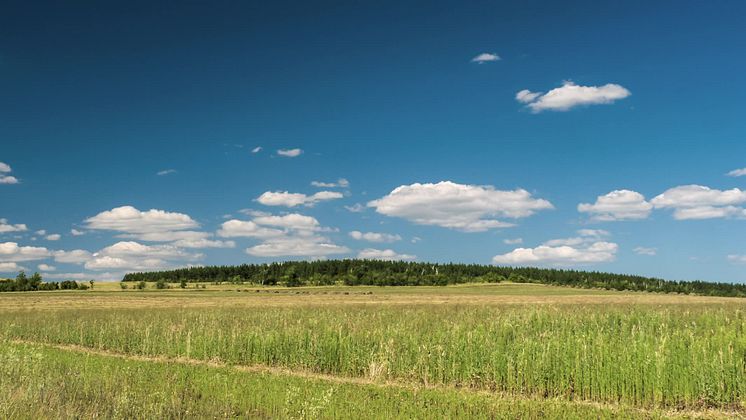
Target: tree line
(354, 272)
(24, 283)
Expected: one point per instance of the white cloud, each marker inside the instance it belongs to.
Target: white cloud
(356, 208)
(107, 263)
(166, 172)
(130, 255)
(287, 199)
(699, 202)
(41, 232)
(374, 236)
(384, 254)
(588, 248)
(4, 177)
(526, 96)
(293, 221)
(246, 229)
(469, 208)
(7, 267)
(54, 237)
(11, 252)
(6, 227)
(570, 95)
(291, 153)
(257, 149)
(737, 259)
(737, 172)
(341, 183)
(618, 205)
(204, 243)
(514, 241)
(133, 221)
(46, 267)
(136, 249)
(290, 235)
(641, 250)
(485, 58)
(76, 232)
(7, 179)
(296, 246)
(76, 256)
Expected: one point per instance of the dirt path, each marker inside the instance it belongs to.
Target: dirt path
(273, 370)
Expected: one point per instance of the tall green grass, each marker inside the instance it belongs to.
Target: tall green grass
(38, 382)
(645, 356)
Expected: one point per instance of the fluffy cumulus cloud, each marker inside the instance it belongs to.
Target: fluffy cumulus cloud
(297, 246)
(12, 252)
(469, 208)
(737, 172)
(384, 254)
(618, 205)
(570, 95)
(290, 153)
(700, 202)
(6, 227)
(46, 267)
(374, 236)
(76, 256)
(10, 267)
(485, 58)
(5, 177)
(154, 226)
(589, 247)
(133, 221)
(289, 235)
(341, 183)
(76, 232)
(513, 241)
(130, 255)
(53, 237)
(288, 199)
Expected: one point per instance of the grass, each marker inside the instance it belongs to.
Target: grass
(518, 350)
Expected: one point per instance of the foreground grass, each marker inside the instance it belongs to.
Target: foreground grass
(530, 349)
(43, 382)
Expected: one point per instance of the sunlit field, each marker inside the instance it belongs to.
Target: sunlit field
(492, 350)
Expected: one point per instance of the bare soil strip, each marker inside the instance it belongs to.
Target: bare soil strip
(273, 370)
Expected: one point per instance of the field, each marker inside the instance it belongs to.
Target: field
(484, 351)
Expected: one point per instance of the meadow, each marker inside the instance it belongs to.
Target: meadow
(482, 350)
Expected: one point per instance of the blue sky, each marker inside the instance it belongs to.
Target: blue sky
(585, 135)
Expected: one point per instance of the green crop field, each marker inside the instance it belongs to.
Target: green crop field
(481, 351)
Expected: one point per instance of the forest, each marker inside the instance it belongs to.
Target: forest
(355, 272)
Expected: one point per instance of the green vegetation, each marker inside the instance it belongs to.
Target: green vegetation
(398, 273)
(23, 283)
(479, 350)
(43, 382)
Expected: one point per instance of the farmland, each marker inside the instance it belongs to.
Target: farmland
(477, 350)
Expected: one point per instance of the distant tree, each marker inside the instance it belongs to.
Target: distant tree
(91, 283)
(35, 281)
